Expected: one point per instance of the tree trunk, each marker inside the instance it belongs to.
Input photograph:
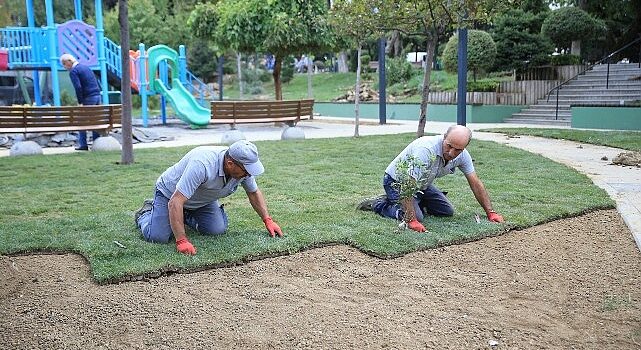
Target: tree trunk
(127, 155)
(278, 89)
(394, 44)
(310, 65)
(357, 91)
(576, 48)
(427, 70)
(241, 85)
(342, 62)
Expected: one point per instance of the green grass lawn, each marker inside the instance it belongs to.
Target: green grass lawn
(327, 86)
(630, 140)
(83, 202)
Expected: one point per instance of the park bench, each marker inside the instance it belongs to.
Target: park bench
(237, 112)
(36, 119)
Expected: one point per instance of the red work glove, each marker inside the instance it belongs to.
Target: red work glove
(494, 216)
(185, 247)
(416, 226)
(272, 227)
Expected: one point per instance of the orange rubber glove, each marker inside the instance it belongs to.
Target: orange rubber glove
(416, 226)
(494, 217)
(272, 227)
(184, 246)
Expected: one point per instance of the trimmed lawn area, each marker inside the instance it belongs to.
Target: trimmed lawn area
(630, 140)
(83, 202)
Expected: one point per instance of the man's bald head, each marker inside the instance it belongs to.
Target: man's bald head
(455, 140)
(458, 135)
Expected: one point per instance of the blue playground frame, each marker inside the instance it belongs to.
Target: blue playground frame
(39, 49)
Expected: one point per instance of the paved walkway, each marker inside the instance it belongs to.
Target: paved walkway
(623, 184)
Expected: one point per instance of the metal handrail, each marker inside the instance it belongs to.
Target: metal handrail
(607, 79)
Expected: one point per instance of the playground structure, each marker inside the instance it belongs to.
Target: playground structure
(38, 49)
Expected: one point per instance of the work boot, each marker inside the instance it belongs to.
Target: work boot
(367, 204)
(147, 205)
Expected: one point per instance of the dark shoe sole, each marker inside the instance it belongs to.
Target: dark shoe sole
(368, 204)
(147, 205)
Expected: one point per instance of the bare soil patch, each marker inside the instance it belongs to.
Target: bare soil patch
(568, 284)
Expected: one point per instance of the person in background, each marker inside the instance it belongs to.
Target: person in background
(87, 91)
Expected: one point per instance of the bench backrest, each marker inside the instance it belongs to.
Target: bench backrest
(285, 110)
(62, 116)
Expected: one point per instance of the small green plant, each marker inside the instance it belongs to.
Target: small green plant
(615, 302)
(398, 70)
(565, 60)
(412, 175)
(482, 86)
(253, 81)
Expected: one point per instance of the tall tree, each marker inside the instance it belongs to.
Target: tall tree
(431, 19)
(481, 52)
(282, 28)
(127, 156)
(356, 21)
(519, 41)
(569, 26)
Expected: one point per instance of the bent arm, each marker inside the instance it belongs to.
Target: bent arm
(176, 215)
(479, 192)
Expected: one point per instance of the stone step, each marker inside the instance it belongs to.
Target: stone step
(630, 71)
(592, 96)
(603, 80)
(617, 67)
(591, 91)
(601, 84)
(544, 106)
(550, 111)
(542, 116)
(538, 121)
(577, 101)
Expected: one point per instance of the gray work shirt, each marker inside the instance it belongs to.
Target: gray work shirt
(429, 149)
(199, 176)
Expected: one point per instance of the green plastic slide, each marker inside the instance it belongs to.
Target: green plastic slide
(183, 102)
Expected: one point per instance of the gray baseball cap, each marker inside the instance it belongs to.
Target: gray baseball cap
(246, 153)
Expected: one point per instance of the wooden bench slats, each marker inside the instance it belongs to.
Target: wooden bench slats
(27, 119)
(232, 112)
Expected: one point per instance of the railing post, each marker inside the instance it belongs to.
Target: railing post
(556, 113)
(607, 76)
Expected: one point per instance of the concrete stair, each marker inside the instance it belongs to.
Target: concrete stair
(587, 89)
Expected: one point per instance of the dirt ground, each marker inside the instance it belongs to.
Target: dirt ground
(569, 284)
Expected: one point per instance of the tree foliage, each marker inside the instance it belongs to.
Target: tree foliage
(279, 27)
(481, 52)
(152, 22)
(566, 24)
(518, 39)
(356, 21)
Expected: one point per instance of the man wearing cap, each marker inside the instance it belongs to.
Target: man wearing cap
(188, 193)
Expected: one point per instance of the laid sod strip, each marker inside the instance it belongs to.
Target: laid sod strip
(84, 202)
(630, 140)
